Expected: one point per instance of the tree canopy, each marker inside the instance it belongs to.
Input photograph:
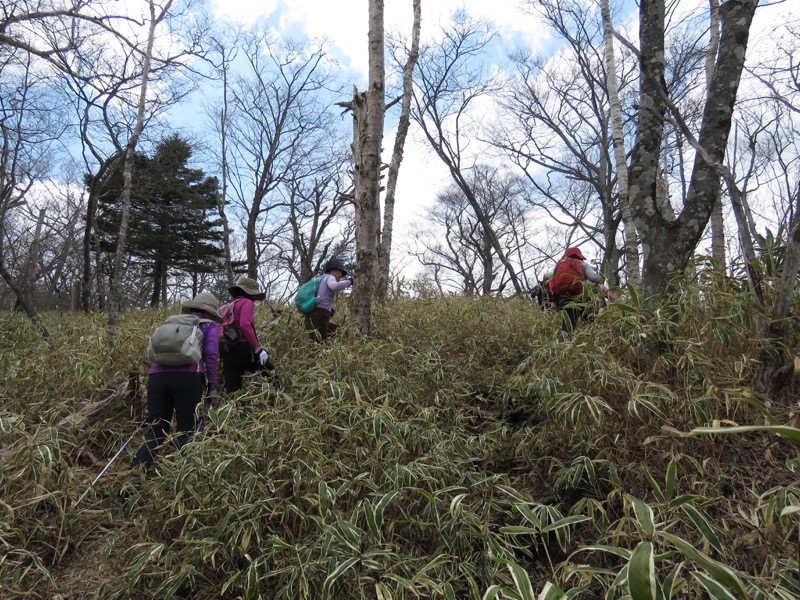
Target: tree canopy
(174, 224)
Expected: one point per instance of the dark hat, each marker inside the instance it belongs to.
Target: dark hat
(249, 287)
(574, 252)
(335, 263)
(205, 302)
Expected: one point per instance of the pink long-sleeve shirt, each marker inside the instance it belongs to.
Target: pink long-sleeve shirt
(243, 317)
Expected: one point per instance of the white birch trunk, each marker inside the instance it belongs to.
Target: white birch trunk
(633, 269)
(397, 156)
(130, 150)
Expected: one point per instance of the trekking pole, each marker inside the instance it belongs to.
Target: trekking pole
(113, 458)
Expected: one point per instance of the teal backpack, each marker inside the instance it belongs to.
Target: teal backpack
(306, 298)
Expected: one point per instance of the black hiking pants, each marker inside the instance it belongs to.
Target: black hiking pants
(169, 392)
(571, 310)
(236, 361)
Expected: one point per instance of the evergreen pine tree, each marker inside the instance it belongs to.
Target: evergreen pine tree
(174, 228)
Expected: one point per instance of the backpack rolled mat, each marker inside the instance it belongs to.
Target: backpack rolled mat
(176, 342)
(568, 277)
(306, 298)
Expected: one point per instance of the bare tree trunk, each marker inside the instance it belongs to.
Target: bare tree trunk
(397, 157)
(19, 294)
(88, 231)
(221, 198)
(776, 365)
(633, 269)
(663, 201)
(368, 109)
(488, 267)
(119, 259)
(668, 246)
(30, 268)
(23, 302)
(717, 223)
(86, 276)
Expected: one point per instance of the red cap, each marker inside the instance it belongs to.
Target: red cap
(576, 252)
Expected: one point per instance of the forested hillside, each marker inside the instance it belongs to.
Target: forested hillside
(460, 451)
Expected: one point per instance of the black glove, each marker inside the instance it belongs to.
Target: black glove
(211, 393)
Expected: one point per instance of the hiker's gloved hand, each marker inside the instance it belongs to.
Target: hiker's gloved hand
(211, 393)
(263, 357)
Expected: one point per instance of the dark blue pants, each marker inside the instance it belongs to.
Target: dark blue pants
(177, 392)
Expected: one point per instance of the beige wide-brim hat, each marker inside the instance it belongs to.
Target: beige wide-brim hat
(249, 287)
(207, 303)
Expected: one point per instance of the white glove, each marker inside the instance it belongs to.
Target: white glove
(263, 357)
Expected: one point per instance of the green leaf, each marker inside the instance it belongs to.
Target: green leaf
(713, 587)
(323, 499)
(633, 295)
(449, 592)
(383, 503)
(642, 573)
(668, 589)
(551, 592)
(670, 481)
(251, 582)
(340, 570)
(644, 515)
(493, 592)
(621, 552)
(372, 522)
(224, 523)
(513, 493)
(529, 515)
(655, 487)
(220, 416)
(518, 530)
(521, 581)
(353, 533)
(790, 433)
(47, 455)
(455, 505)
(565, 522)
(718, 571)
(704, 526)
(220, 469)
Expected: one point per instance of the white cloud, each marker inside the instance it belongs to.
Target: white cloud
(345, 22)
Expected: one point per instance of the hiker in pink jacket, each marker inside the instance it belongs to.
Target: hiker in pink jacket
(246, 355)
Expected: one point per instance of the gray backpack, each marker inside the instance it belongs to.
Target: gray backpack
(177, 341)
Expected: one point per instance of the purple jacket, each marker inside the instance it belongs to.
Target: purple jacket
(328, 287)
(209, 364)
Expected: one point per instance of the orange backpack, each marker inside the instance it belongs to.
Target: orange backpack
(568, 277)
